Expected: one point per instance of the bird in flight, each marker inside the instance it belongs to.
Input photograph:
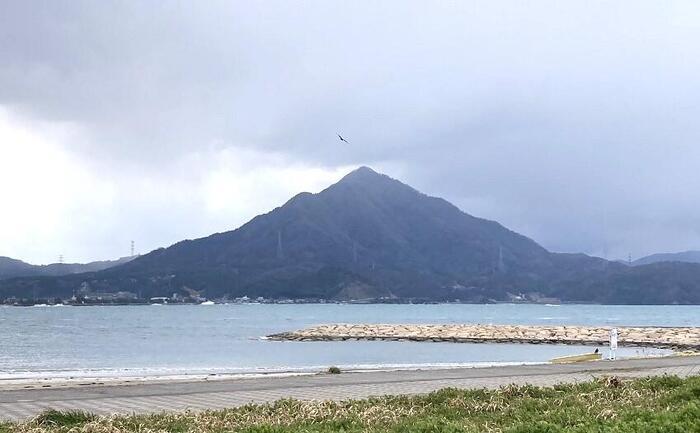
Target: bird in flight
(342, 139)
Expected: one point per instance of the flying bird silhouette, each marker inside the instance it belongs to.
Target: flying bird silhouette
(342, 139)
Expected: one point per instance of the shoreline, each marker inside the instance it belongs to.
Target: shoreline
(10, 384)
(335, 302)
(53, 382)
(91, 381)
(195, 396)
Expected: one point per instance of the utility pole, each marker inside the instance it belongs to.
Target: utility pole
(501, 264)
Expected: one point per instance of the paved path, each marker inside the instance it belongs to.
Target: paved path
(178, 396)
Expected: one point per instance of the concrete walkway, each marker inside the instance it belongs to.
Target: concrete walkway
(178, 396)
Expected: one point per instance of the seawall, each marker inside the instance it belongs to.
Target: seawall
(679, 338)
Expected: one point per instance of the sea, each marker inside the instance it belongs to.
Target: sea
(179, 340)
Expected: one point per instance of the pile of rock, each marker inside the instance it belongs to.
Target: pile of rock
(676, 338)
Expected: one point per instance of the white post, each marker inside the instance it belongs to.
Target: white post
(613, 343)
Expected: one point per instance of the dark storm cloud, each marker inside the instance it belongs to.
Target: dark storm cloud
(575, 123)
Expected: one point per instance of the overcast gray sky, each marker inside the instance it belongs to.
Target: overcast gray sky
(574, 123)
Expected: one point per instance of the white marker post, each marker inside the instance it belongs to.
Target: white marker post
(613, 343)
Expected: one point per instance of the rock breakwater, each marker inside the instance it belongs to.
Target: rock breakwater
(660, 337)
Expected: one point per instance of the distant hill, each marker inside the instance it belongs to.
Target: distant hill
(12, 268)
(369, 237)
(685, 257)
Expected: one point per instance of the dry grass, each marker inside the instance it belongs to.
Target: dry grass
(665, 404)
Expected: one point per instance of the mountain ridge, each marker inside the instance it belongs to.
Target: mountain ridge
(13, 268)
(690, 256)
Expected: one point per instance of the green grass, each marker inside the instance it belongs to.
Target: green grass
(659, 405)
(63, 418)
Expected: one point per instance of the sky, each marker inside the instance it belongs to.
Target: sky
(574, 123)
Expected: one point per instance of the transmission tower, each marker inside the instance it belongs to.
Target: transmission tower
(132, 248)
(60, 259)
(280, 255)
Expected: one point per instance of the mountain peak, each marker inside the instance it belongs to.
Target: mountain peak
(364, 169)
(364, 173)
(368, 180)
(368, 177)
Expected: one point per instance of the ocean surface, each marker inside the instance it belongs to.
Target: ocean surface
(172, 340)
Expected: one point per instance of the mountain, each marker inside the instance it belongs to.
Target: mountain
(685, 257)
(15, 268)
(367, 237)
(12, 268)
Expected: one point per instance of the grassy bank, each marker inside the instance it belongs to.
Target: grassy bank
(662, 405)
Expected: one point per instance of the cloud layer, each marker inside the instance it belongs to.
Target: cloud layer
(573, 123)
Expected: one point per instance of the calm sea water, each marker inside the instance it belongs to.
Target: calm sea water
(198, 339)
